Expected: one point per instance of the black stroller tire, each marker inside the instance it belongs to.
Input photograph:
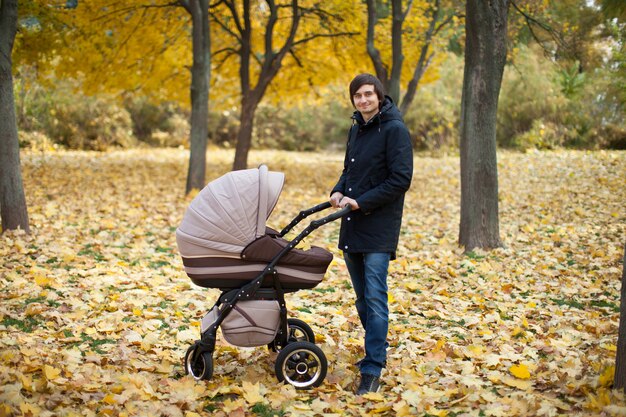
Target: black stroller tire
(202, 367)
(299, 331)
(301, 364)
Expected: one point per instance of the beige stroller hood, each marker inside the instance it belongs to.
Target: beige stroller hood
(229, 213)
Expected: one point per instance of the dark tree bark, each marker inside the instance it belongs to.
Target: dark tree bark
(200, 79)
(485, 56)
(619, 381)
(398, 17)
(272, 61)
(390, 79)
(372, 51)
(236, 22)
(12, 200)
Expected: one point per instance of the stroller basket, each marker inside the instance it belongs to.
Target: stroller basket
(250, 323)
(225, 244)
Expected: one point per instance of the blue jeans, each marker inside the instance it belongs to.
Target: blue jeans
(368, 272)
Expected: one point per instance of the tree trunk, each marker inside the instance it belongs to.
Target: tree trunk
(200, 77)
(12, 200)
(485, 56)
(372, 51)
(390, 80)
(244, 136)
(272, 61)
(619, 381)
(246, 115)
(396, 50)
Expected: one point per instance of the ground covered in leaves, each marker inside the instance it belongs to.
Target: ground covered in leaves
(96, 311)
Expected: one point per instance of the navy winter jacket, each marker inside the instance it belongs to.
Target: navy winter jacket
(378, 168)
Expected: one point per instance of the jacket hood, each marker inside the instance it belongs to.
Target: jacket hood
(388, 111)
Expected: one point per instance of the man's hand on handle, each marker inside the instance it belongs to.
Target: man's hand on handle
(338, 200)
(335, 199)
(347, 201)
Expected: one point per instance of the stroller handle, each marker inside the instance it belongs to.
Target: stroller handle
(251, 287)
(334, 216)
(304, 214)
(315, 224)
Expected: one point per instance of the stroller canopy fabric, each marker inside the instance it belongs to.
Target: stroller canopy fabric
(231, 211)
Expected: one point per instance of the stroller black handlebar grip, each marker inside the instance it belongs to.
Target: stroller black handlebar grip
(320, 207)
(338, 214)
(303, 215)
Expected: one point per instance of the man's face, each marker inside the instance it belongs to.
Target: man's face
(366, 101)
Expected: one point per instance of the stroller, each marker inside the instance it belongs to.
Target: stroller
(225, 244)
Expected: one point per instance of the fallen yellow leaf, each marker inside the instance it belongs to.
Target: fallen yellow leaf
(607, 376)
(31, 409)
(42, 280)
(51, 373)
(109, 399)
(517, 383)
(374, 396)
(252, 393)
(520, 371)
(381, 409)
(609, 346)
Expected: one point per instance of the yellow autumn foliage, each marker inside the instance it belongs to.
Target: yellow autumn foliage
(108, 46)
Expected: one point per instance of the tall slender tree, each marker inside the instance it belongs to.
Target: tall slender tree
(619, 381)
(617, 9)
(12, 200)
(200, 81)
(263, 34)
(485, 56)
(251, 95)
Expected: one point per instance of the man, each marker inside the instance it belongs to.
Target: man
(378, 167)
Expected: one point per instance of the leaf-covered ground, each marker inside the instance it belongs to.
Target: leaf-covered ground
(96, 311)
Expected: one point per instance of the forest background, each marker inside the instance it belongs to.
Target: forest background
(104, 74)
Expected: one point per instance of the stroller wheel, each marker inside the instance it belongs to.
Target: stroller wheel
(301, 364)
(200, 367)
(299, 331)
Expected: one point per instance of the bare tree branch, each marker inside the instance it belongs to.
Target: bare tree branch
(132, 32)
(227, 56)
(185, 4)
(136, 7)
(225, 28)
(531, 20)
(408, 10)
(372, 51)
(233, 10)
(444, 23)
(269, 31)
(232, 51)
(295, 20)
(423, 61)
(324, 35)
(321, 13)
(295, 58)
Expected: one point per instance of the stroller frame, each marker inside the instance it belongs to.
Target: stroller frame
(300, 362)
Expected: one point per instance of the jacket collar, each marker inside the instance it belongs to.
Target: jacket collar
(388, 111)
